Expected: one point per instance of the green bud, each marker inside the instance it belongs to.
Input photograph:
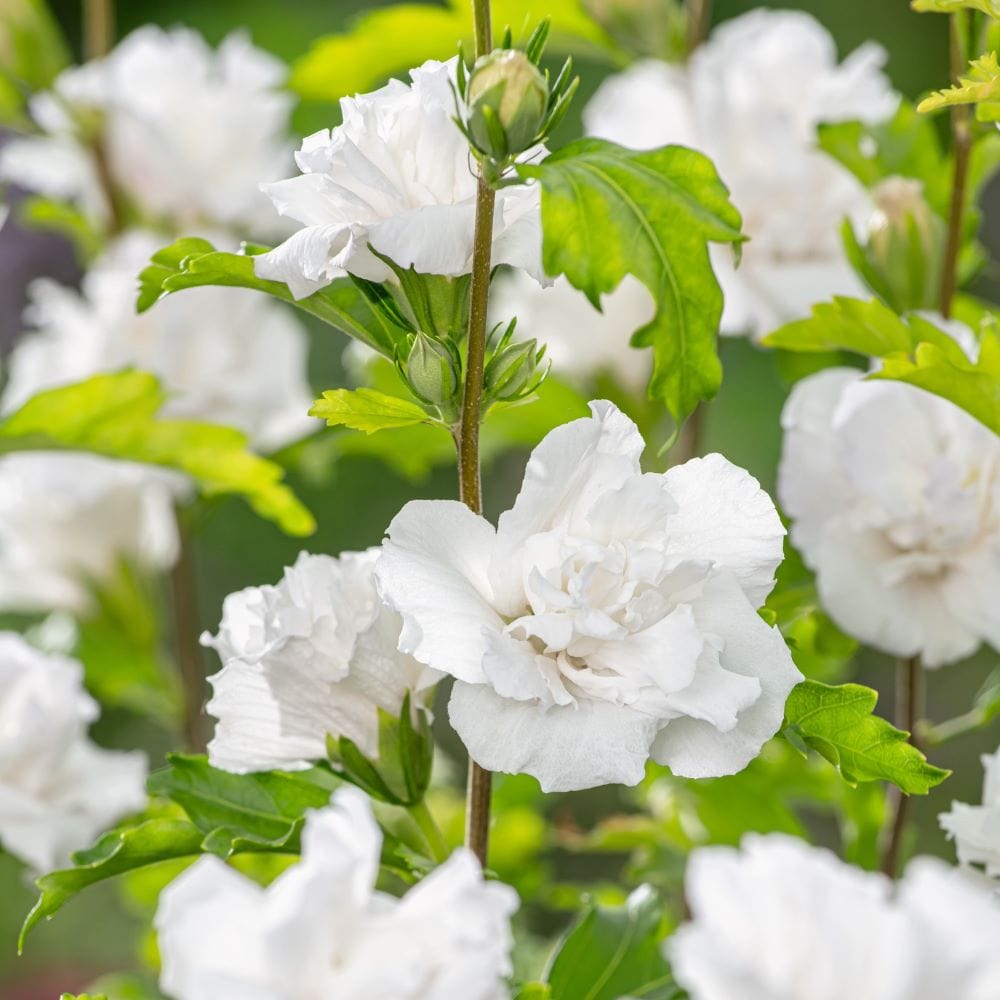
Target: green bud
(510, 373)
(507, 98)
(431, 371)
(905, 245)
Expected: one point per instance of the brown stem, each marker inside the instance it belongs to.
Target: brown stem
(477, 815)
(98, 28)
(961, 131)
(699, 22)
(187, 648)
(909, 695)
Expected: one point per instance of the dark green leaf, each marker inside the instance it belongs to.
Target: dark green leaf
(837, 722)
(608, 211)
(192, 262)
(615, 952)
(242, 811)
(115, 415)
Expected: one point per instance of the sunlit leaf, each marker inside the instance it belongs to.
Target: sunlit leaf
(837, 722)
(115, 415)
(615, 952)
(384, 43)
(991, 7)
(367, 410)
(981, 86)
(608, 211)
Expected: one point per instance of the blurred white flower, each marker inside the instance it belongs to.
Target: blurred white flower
(398, 175)
(751, 98)
(582, 342)
(609, 618)
(893, 498)
(58, 790)
(779, 919)
(976, 829)
(185, 134)
(68, 520)
(321, 930)
(315, 654)
(225, 354)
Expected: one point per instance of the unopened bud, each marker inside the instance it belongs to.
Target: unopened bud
(507, 99)
(431, 371)
(510, 372)
(897, 201)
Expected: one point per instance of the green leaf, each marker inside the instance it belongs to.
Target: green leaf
(193, 262)
(615, 952)
(116, 852)
(83, 996)
(64, 220)
(607, 212)
(980, 87)
(975, 387)
(34, 49)
(837, 722)
(115, 415)
(367, 410)
(237, 812)
(383, 43)
(846, 324)
(991, 7)
(534, 991)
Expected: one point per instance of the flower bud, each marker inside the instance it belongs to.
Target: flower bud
(507, 99)
(905, 245)
(431, 371)
(509, 373)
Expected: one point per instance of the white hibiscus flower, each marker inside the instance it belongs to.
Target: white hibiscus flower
(976, 829)
(313, 655)
(224, 354)
(67, 521)
(609, 618)
(184, 134)
(751, 99)
(893, 498)
(321, 930)
(781, 920)
(58, 790)
(396, 175)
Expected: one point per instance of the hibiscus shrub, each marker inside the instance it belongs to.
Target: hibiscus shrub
(646, 673)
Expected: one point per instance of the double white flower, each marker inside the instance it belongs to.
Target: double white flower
(894, 497)
(780, 920)
(397, 177)
(321, 930)
(315, 654)
(58, 790)
(609, 618)
(184, 134)
(976, 829)
(224, 355)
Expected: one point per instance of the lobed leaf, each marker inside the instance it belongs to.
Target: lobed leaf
(991, 7)
(981, 86)
(367, 410)
(383, 43)
(115, 415)
(193, 262)
(608, 211)
(846, 324)
(837, 722)
(615, 952)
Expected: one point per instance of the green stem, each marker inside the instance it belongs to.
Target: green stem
(431, 831)
(961, 131)
(934, 734)
(909, 695)
(98, 28)
(477, 817)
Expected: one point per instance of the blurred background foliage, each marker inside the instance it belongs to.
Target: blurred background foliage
(356, 496)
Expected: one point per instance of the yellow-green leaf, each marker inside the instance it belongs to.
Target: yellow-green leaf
(367, 410)
(115, 415)
(991, 7)
(981, 86)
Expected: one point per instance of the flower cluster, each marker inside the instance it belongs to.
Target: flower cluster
(892, 496)
(609, 618)
(315, 654)
(321, 929)
(781, 920)
(58, 790)
(180, 134)
(394, 180)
